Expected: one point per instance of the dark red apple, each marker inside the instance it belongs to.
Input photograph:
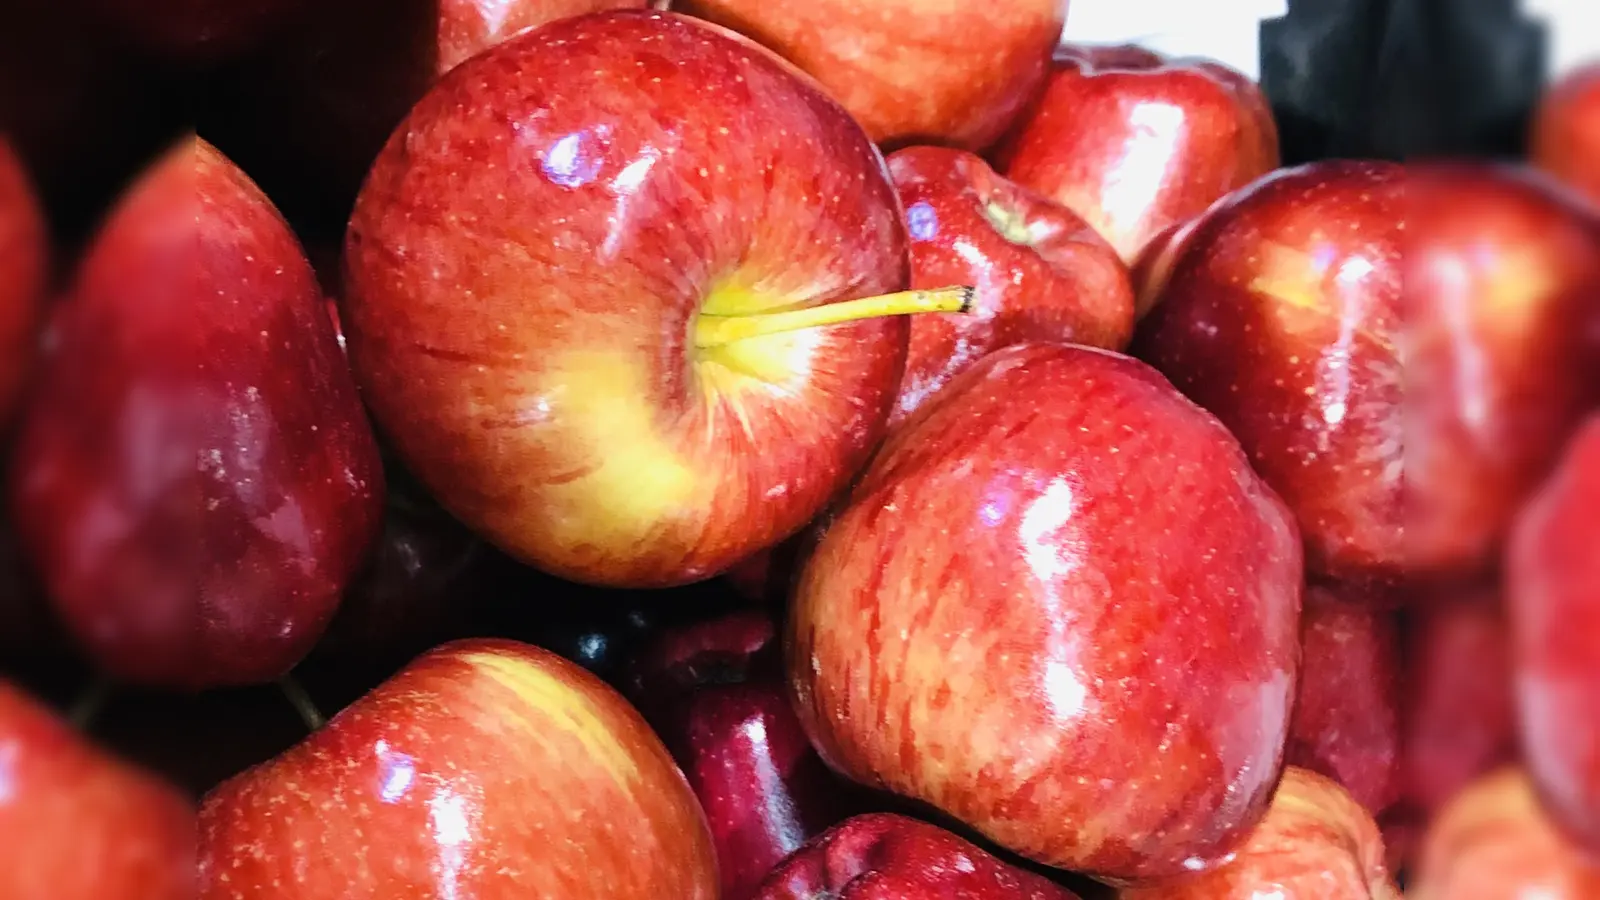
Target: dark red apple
(581, 289)
(1565, 139)
(1040, 272)
(195, 479)
(1153, 269)
(24, 270)
(78, 824)
(1061, 608)
(484, 769)
(910, 71)
(1136, 143)
(1346, 722)
(1316, 843)
(1282, 316)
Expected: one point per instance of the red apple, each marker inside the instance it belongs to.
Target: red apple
(1494, 842)
(1281, 316)
(1040, 272)
(484, 769)
(1566, 131)
(1136, 143)
(24, 268)
(1152, 270)
(1502, 279)
(591, 344)
(1061, 608)
(910, 71)
(1316, 843)
(195, 479)
(78, 824)
(1346, 722)
(1553, 591)
(887, 857)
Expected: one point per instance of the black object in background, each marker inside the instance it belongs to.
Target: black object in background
(1319, 70)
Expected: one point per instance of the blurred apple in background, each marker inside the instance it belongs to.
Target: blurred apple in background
(24, 274)
(485, 768)
(1041, 273)
(1061, 608)
(1566, 131)
(910, 71)
(78, 824)
(1135, 143)
(195, 479)
(1282, 317)
(1494, 842)
(1316, 843)
(591, 348)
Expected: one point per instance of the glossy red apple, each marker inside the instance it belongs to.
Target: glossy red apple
(910, 71)
(682, 208)
(1040, 272)
(1565, 138)
(1502, 277)
(484, 769)
(1346, 722)
(1282, 316)
(24, 270)
(1316, 843)
(195, 479)
(890, 857)
(78, 824)
(1061, 608)
(1553, 592)
(1136, 143)
(1494, 842)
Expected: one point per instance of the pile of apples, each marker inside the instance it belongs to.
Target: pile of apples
(784, 451)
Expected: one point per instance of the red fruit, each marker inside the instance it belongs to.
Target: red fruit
(1566, 131)
(24, 268)
(1060, 607)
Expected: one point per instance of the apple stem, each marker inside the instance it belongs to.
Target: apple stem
(89, 703)
(296, 694)
(716, 331)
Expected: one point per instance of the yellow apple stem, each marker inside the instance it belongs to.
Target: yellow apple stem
(718, 331)
(296, 694)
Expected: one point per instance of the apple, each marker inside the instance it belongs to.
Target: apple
(1135, 143)
(485, 768)
(195, 480)
(1152, 270)
(1040, 272)
(79, 824)
(1060, 608)
(1316, 843)
(24, 270)
(1346, 722)
(1502, 276)
(1553, 593)
(910, 71)
(1282, 316)
(1494, 842)
(1565, 139)
(646, 334)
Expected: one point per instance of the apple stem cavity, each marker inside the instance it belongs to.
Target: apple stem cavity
(718, 331)
(89, 703)
(296, 694)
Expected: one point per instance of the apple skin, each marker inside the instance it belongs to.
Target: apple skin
(910, 71)
(485, 767)
(1282, 316)
(1565, 140)
(1346, 723)
(1098, 674)
(24, 271)
(1041, 272)
(1495, 842)
(195, 522)
(882, 856)
(79, 824)
(1316, 843)
(1135, 143)
(584, 433)
(1553, 592)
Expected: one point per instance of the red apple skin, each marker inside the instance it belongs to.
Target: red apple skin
(1098, 674)
(24, 270)
(195, 480)
(1316, 843)
(1281, 316)
(1041, 273)
(585, 434)
(1346, 723)
(1495, 842)
(485, 768)
(78, 824)
(1135, 143)
(882, 856)
(1566, 131)
(910, 71)
(1553, 590)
